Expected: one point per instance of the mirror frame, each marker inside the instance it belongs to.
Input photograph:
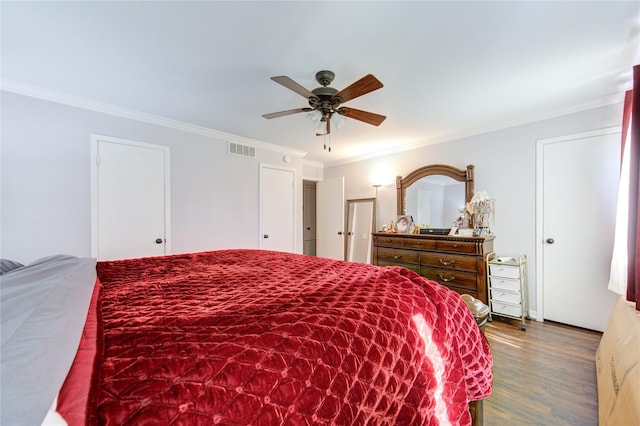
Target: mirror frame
(460, 175)
(347, 237)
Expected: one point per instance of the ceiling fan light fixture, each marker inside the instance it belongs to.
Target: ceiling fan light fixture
(319, 121)
(337, 121)
(314, 117)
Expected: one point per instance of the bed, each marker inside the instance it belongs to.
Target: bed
(239, 337)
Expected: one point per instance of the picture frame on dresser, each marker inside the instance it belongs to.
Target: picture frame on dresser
(404, 224)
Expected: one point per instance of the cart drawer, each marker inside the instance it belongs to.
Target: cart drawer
(505, 284)
(506, 271)
(506, 309)
(505, 296)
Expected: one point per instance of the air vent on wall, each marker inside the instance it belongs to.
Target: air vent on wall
(242, 150)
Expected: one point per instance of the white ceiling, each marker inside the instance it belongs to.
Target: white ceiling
(449, 69)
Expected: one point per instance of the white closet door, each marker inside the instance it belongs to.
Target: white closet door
(579, 193)
(130, 197)
(277, 207)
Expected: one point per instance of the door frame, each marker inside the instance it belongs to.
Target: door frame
(94, 162)
(540, 143)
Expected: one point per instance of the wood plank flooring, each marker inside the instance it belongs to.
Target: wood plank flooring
(545, 375)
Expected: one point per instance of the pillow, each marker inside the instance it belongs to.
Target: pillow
(7, 265)
(43, 307)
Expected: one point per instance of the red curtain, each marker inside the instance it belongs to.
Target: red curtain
(633, 274)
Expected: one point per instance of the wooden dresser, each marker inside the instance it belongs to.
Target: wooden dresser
(456, 262)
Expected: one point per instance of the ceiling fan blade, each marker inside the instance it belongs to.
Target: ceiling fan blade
(367, 117)
(287, 112)
(366, 84)
(292, 85)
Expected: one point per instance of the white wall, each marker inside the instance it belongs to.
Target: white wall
(45, 181)
(505, 166)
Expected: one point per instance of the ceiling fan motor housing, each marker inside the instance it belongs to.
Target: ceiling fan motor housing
(325, 77)
(325, 100)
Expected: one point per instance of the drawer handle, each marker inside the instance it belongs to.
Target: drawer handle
(455, 246)
(446, 280)
(445, 263)
(397, 256)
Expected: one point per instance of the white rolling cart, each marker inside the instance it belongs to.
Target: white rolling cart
(508, 295)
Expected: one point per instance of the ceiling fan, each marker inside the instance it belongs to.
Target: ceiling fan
(327, 100)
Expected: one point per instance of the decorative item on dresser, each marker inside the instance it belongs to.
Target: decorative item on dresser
(453, 261)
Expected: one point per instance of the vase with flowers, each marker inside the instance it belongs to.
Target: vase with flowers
(481, 213)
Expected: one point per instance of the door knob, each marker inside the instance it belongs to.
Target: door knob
(339, 232)
(550, 241)
(265, 236)
(308, 228)
(158, 240)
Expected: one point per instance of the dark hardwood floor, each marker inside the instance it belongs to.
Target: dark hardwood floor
(545, 375)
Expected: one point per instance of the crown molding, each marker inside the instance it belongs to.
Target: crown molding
(105, 108)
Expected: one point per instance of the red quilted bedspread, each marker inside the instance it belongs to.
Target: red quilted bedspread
(249, 337)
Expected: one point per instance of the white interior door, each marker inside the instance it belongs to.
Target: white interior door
(330, 237)
(277, 224)
(579, 191)
(130, 199)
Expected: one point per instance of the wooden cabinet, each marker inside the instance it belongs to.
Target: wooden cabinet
(456, 262)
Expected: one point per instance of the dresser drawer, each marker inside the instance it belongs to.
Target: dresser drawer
(507, 271)
(505, 296)
(398, 255)
(449, 261)
(451, 277)
(506, 309)
(456, 246)
(388, 241)
(504, 283)
(412, 266)
(420, 244)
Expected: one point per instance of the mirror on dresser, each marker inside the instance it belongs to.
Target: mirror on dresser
(434, 195)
